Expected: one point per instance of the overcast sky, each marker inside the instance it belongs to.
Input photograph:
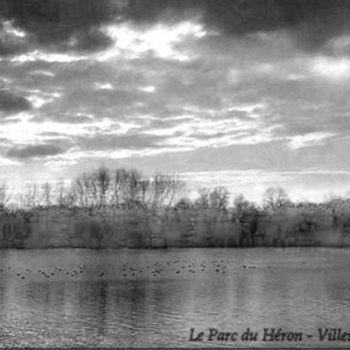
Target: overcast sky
(246, 94)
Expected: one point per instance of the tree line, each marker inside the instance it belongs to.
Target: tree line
(129, 189)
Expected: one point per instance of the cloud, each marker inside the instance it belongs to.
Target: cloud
(176, 85)
(103, 86)
(68, 119)
(148, 89)
(93, 25)
(312, 23)
(12, 103)
(186, 105)
(5, 162)
(333, 68)
(112, 142)
(62, 24)
(311, 139)
(159, 40)
(12, 39)
(32, 151)
(49, 57)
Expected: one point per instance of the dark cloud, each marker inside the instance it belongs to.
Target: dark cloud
(12, 103)
(9, 48)
(64, 23)
(34, 151)
(94, 39)
(10, 44)
(312, 21)
(76, 24)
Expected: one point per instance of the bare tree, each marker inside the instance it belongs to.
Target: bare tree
(129, 188)
(216, 198)
(164, 190)
(30, 196)
(203, 201)
(79, 192)
(71, 197)
(132, 188)
(145, 186)
(46, 191)
(176, 187)
(60, 194)
(103, 180)
(276, 198)
(118, 185)
(86, 190)
(240, 205)
(90, 190)
(4, 195)
(219, 197)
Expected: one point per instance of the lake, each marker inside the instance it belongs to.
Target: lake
(134, 298)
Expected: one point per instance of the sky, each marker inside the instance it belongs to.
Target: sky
(245, 94)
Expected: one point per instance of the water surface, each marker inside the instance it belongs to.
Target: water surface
(135, 298)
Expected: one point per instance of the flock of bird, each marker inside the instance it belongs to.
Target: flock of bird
(47, 274)
(128, 270)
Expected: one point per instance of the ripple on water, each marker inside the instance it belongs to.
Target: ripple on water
(139, 298)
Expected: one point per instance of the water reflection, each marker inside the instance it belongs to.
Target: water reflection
(299, 290)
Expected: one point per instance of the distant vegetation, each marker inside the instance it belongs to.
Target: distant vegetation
(118, 208)
(130, 189)
(122, 189)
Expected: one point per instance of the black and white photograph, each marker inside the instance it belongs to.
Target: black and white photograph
(174, 173)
